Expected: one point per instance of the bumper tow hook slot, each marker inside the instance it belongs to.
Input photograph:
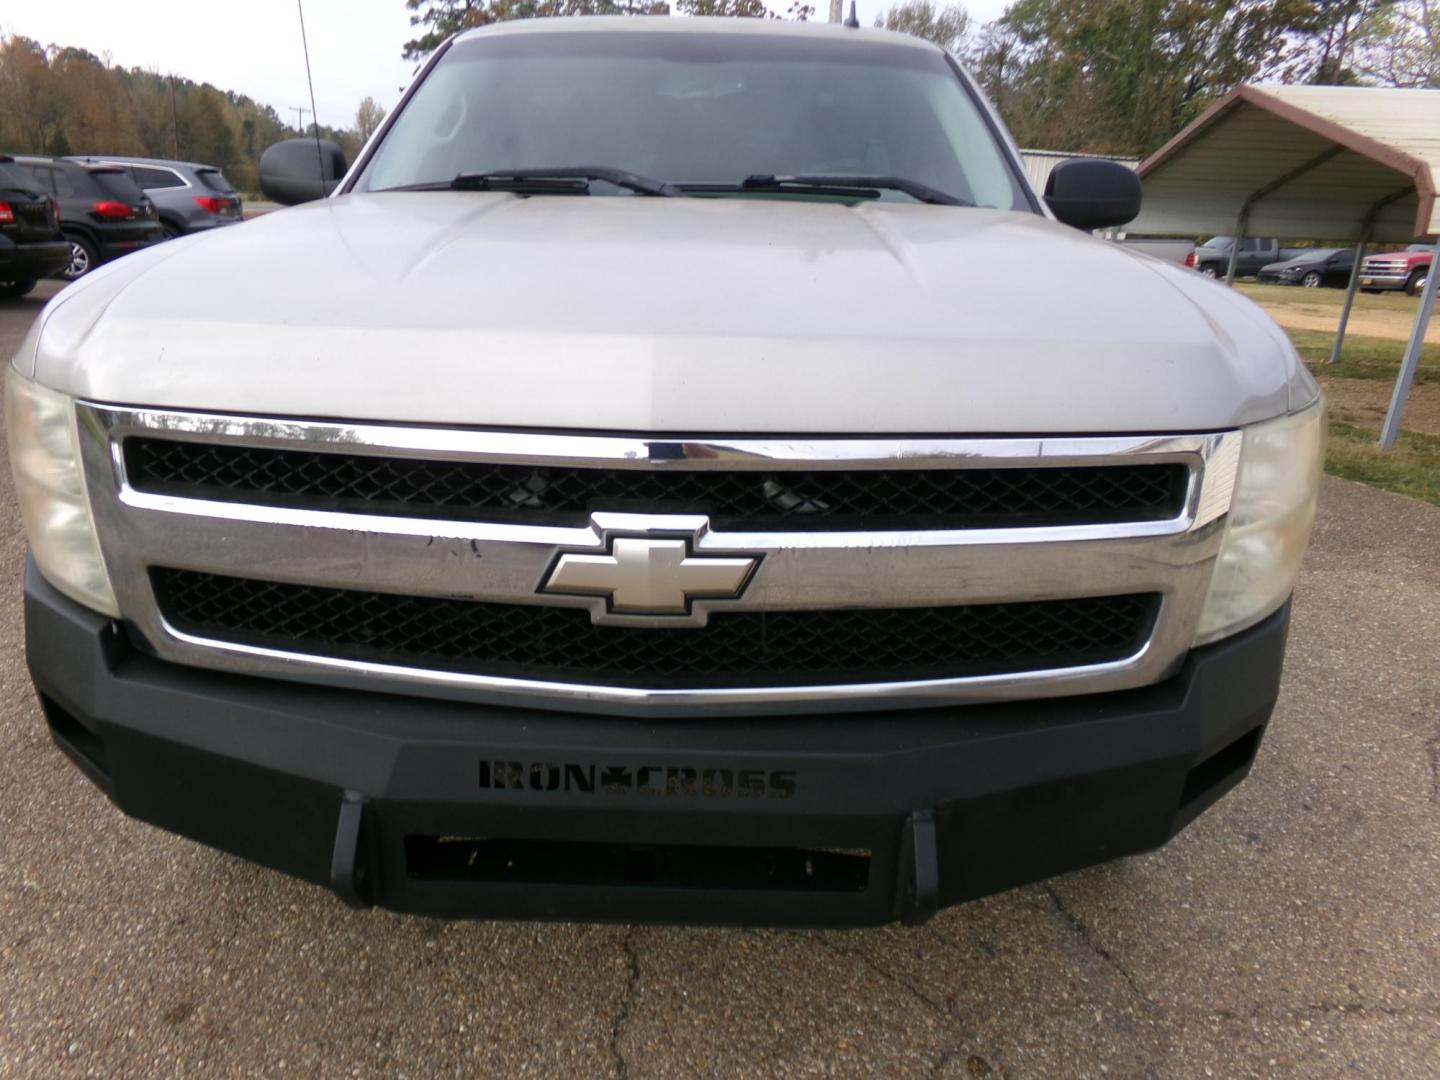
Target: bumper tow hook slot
(350, 875)
(919, 869)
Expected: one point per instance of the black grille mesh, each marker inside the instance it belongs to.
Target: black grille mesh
(786, 499)
(736, 648)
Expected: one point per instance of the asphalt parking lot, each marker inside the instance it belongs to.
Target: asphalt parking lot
(1293, 930)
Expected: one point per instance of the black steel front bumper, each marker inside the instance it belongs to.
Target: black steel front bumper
(468, 810)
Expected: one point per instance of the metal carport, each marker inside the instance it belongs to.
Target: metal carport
(1308, 162)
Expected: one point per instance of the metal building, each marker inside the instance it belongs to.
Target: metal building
(1308, 162)
(1039, 163)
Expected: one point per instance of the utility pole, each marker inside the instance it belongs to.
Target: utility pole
(835, 10)
(174, 119)
(299, 116)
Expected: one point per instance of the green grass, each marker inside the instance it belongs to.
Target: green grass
(1412, 468)
(1294, 296)
(1363, 357)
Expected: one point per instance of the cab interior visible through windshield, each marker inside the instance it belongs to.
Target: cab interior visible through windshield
(695, 108)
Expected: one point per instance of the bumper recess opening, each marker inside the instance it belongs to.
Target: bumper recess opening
(1217, 774)
(699, 866)
(80, 744)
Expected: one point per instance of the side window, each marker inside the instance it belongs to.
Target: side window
(156, 178)
(1250, 244)
(44, 176)
(64, 183)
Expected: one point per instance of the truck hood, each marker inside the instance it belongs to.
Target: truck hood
(669, 316)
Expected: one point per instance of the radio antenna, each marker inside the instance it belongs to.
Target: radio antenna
(305, 45)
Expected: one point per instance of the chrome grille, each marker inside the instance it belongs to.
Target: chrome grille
(750, 648)
(762, 498)
(885, 601)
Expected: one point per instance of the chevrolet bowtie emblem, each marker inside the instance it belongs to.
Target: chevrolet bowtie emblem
(650, 576)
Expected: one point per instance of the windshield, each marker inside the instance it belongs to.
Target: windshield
(1318, 255)
(695, 108)
(117, 184)
(215, 180)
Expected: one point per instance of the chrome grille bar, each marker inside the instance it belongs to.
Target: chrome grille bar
(798, 569)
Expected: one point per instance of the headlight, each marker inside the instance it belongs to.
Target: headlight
(1271, 512)
(45, 454)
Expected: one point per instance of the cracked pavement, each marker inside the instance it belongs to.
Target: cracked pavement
(1292, 930)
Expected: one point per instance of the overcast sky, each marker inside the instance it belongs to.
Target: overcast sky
(254, 48)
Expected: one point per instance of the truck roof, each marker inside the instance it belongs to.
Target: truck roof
(697, 24)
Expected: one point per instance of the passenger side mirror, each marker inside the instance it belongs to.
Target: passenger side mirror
(1093, 194)
(301, 170)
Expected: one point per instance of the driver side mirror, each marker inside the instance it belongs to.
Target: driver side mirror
(301, 170)
(1090, 193)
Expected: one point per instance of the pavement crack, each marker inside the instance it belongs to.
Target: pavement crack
(931, 1003)
(627, 1005)
(1087, 936)
(1328, 1008)
(1432, 751)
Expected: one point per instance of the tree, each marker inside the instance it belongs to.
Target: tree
(1121, 76)
(1399, 45)
(32, 108)
(743, 9)
(1326, 40)
(61, 100)
(441, 18)
(367, 118)
(947, 27)
(95, 115)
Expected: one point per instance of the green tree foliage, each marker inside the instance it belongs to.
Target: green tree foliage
(368, 118)
(67, 101)
(741, 9)
(949, 27)
(1121, 76)
(1330, 37)
(438, 19)
(32, 109)
(1399, 45)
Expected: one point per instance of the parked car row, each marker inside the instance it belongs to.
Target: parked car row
(1263, 258)
(1212, 258)
(65, 216)
(188, 197)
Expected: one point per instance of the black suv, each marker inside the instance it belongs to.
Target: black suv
(103, 213)
(31, 244)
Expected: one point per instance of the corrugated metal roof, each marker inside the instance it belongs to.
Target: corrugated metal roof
(1309, 162)
(1406, 120)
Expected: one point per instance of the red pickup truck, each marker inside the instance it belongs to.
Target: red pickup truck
(1406, 270)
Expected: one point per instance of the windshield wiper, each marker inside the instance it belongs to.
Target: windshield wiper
(858, 187)
(566, 180)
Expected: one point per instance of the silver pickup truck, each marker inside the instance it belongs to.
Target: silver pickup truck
(637, 491)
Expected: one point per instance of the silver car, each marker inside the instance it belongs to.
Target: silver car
(660, 504)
